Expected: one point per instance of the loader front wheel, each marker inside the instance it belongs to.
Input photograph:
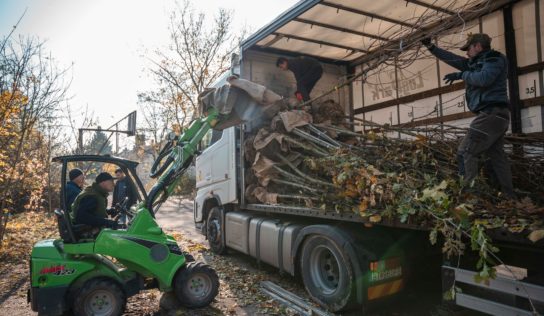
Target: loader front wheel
(100, 297)
(196, 285)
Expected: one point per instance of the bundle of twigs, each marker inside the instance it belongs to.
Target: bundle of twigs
(320, 161)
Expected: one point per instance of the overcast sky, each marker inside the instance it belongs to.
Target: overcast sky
(104, 39)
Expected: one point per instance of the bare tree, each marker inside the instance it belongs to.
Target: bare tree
(199, 52)
(32, 89)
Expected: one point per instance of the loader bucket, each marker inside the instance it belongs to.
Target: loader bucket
(241, 101)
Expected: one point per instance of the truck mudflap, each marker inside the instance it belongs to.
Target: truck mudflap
(48, 300)
(385, 278)
(499, 296)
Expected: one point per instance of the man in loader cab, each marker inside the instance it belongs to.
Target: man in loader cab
(73, 187)
(90, 206)
(307, 71)
(484, 73)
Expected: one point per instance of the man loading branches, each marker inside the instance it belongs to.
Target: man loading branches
(307, 71)
(484, 73)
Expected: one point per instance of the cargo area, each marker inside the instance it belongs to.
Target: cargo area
(347, 37)
(388, 83)
(369, 163)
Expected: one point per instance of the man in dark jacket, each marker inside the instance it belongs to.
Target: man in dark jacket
(90, 206)
(73, 187)
(485, 73)
(307, 71)
(123, 190)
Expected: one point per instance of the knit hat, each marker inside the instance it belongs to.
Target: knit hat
(74, 173)
(104, 176)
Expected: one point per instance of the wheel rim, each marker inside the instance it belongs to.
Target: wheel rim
(199, 285)
(214, 231)
(100, 302)
(324, 269)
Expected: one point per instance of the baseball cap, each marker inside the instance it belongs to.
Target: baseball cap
(481, 38)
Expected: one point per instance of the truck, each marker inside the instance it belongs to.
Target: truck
(344, 261)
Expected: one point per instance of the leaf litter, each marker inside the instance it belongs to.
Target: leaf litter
(239, 281)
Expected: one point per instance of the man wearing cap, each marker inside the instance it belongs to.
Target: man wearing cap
(484, 73)
(73, 187)
(90, 206)
(307, 71)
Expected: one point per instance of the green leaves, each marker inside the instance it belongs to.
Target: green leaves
(449, 295)
(480, 242)
(435, 193)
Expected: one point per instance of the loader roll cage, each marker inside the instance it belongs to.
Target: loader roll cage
(128, 167)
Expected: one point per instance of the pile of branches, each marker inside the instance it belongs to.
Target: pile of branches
(315, 158)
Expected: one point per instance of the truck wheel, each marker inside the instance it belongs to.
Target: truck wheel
(327, 273)
(196, 285)
(100, 297)
(215, 230)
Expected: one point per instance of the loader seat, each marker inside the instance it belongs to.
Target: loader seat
(68, 232)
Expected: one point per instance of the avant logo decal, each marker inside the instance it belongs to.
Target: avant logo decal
(57, 270)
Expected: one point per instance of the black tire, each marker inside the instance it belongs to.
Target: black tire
(99, 297)
(215, 230)
(196, 285)
(327, 273)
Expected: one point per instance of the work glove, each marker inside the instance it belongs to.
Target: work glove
(427, 42)
(298, 95)
(450, 78)
(111, 211)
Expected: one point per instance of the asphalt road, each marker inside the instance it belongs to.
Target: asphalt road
(177, 215)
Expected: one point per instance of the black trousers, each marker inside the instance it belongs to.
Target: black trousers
(306, 82)
(486, 136)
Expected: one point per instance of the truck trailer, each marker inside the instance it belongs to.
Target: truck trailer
(345, 261)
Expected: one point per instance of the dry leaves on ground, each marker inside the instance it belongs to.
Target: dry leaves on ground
(239, 276)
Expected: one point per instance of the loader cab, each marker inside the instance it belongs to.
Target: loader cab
(94, 164)
(91, 165)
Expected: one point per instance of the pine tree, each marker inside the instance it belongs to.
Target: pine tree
(99, 144)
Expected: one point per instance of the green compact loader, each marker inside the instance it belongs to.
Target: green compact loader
(94, 273)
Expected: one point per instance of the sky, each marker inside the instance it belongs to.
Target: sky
(105, 42)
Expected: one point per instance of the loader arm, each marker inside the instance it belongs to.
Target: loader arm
(177, 154)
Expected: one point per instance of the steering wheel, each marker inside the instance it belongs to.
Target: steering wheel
(123, 208)
(159, 166)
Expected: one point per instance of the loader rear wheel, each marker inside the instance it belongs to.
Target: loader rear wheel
(196, 285)
(99, 297)
(215, 229)
(327, 273)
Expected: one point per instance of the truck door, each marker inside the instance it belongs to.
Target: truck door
(215, 169)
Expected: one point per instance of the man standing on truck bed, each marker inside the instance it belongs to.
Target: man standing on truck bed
(307, 71)
(484, 72)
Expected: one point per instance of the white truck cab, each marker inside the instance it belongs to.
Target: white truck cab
(216, 171)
